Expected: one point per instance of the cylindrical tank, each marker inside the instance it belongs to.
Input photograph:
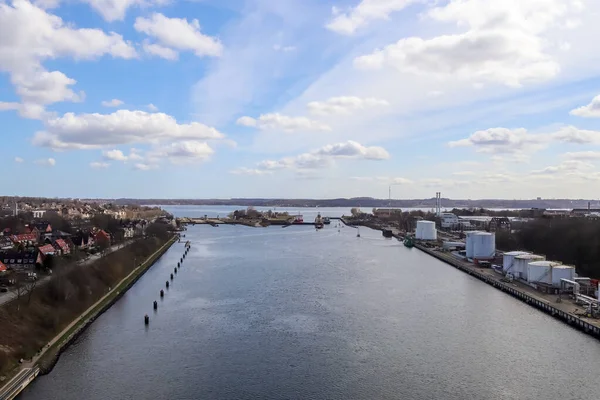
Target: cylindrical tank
(520, 263)
(509, 258)
(426, 230)
(562, 272)
(484, 245)
(469, 243)
(541, 271)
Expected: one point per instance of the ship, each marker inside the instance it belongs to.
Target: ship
(326, 221)
(319, 222)
(298, 219)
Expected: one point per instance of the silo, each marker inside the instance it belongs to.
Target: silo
(426, 230)
(509, 258)
(541, 271)
(469, 243)
(562, 272)
(519, 268)
(484, 245)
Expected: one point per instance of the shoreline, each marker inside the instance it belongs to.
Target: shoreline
(49, 357)
(530, 297)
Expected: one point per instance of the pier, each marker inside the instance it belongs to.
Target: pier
(526, 294)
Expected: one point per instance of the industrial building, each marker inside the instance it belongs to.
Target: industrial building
(426, 230)
(520, 263)
(508, 259)
(480, 245)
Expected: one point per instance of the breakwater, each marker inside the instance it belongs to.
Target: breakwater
(525, 294)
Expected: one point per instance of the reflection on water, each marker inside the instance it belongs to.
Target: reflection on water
(295, 313)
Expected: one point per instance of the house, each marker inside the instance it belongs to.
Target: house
(37, 214)
(20, 260)
(26, 239)
(82, 240)
(128, 232)
(62, 245)
(47, 249)
(6, 243)
(101, 237)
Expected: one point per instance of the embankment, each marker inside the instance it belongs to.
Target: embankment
(526, 294)
(50, 357)
(33, 324)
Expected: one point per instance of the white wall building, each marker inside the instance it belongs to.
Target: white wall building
(426, 230)
(508, 259)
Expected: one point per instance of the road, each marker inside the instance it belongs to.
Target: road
(11, 295)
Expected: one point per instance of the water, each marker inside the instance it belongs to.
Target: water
(294, 313)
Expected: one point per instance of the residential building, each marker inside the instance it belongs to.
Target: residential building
(47, 250)
(62, 246)
(37, 214)
(20, 260)
(27, 239)
(6, 243)
(128, 232)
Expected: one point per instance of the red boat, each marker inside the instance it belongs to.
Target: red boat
(298, 219)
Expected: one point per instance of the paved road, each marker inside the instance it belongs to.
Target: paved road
(11, 295)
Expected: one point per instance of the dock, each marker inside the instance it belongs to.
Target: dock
(546, 303)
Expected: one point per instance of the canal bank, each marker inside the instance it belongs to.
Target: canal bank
(47, 358)
(528, 295)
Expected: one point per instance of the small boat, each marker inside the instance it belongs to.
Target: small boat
(387, 233)
(326, 221)
(357, 232)
(298, 219)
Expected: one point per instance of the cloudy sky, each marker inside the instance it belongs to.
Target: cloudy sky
(300, 98)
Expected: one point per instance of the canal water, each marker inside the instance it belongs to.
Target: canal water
(295, 313)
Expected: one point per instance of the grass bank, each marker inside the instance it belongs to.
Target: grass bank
(40, 325)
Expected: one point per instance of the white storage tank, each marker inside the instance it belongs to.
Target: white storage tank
(484, 245)
(509, 258)
(469, 243)
(541, 271)
(562, 272)
(426, 230)
(519, 268)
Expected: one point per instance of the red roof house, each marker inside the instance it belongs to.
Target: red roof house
(47, 249)
(63, 246)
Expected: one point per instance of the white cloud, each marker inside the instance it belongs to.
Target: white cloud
(93, 131)
(344, 105)
(48, 162)
(583, 155)
(115, 10)
(99, 165)
(464, 173)
(179, 34)
(387, 180)
(112, 103)
(285, 123)
(183, 152)
(152, 107)
(364, 13)
(144, 167)
(115, 155)
(160, 51)
(503, 43)
(284, 49)
(29, 36)
(591, 110)
(571, 134)
(503, 140)
(569, 167)
(324, 157)
(250, 171)
(19, 160)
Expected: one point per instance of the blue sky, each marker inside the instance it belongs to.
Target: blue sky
(300, 98)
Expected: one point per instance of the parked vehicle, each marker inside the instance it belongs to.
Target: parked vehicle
(3, 289)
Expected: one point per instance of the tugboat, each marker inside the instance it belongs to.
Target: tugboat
(318, 222)
(409, 242)
(298, 219)
(326, 221)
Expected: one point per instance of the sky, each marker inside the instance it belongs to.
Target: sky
(300, 98)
